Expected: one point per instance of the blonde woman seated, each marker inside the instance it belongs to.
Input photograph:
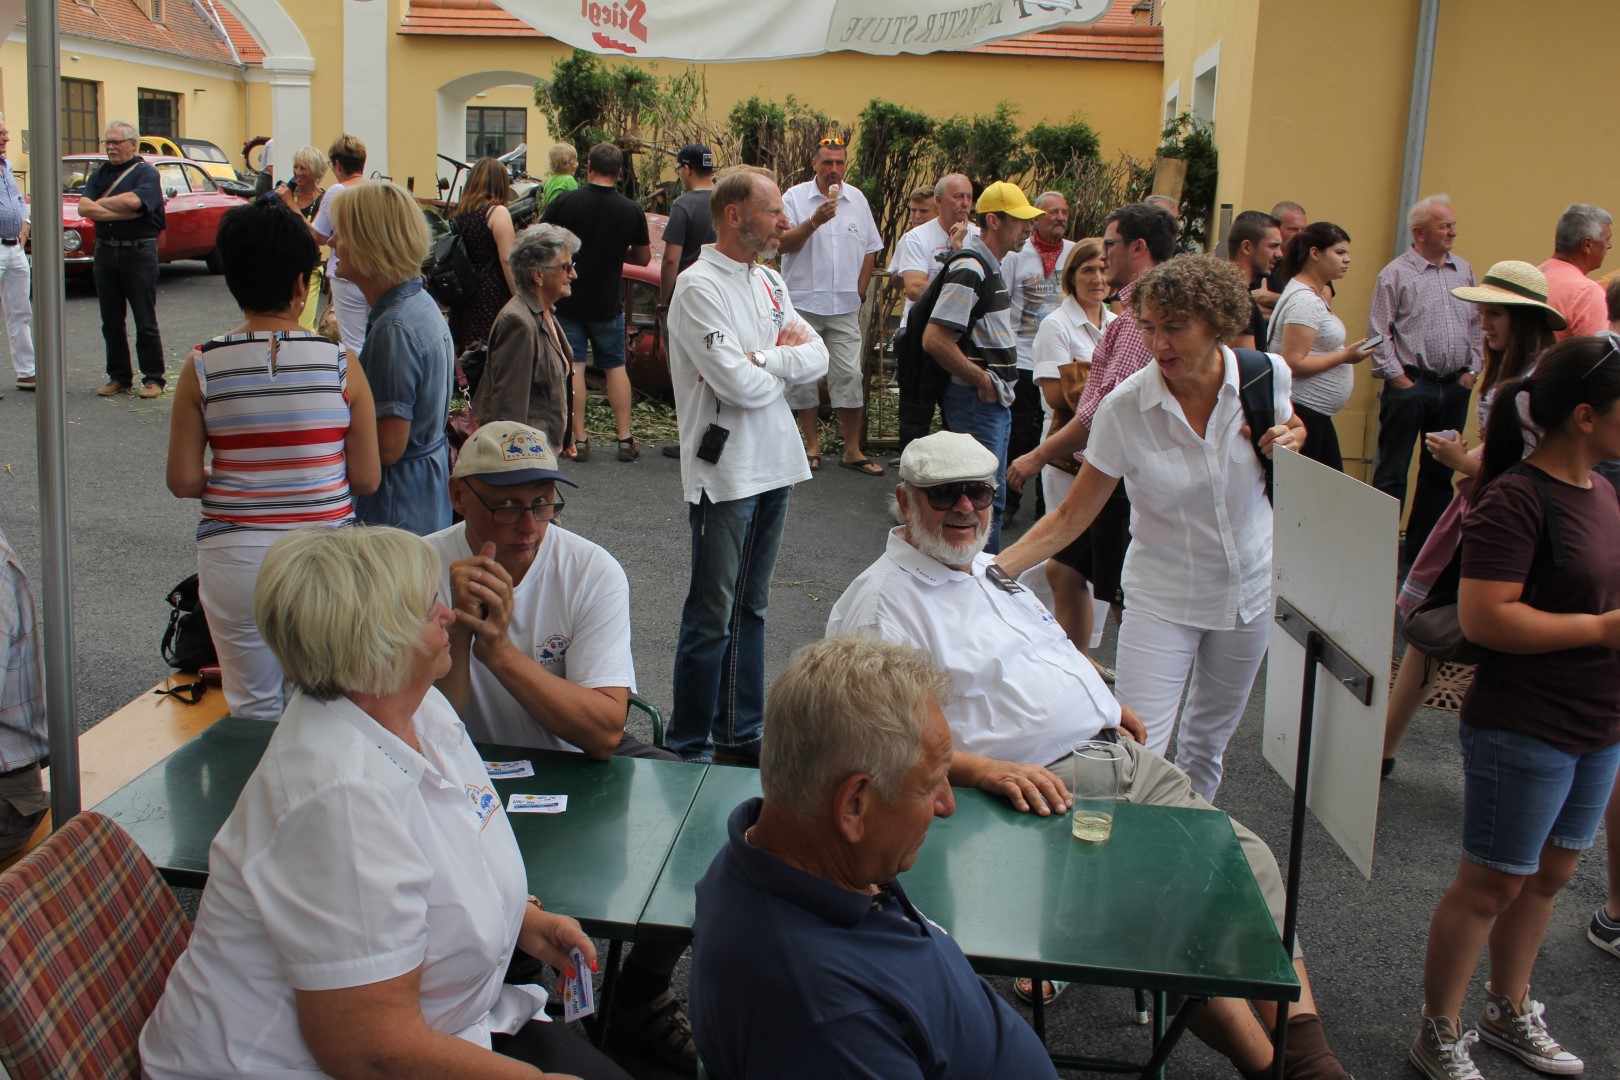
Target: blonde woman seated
(361, 908)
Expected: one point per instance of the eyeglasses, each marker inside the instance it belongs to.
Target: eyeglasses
(834, 141)
(115, 142)
(567, 267)
(946, 496)
(1614, 347)
(507, 514)
(1110, 243)
(190, 693)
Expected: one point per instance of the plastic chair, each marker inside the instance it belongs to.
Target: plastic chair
(654, 717)
(88, 933)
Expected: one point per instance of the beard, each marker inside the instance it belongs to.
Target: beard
(930, 542)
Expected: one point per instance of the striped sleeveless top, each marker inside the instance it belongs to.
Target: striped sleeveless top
(276, 439)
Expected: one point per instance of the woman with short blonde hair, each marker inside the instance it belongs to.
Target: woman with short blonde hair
(361, 910)
(408, 356)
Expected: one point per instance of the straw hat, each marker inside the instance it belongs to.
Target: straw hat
(1512, 283)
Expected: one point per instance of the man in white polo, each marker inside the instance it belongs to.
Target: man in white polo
(827, 259)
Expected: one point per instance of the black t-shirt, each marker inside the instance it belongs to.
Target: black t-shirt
(690, 225)
(1257, 318)
(1571, 698)
(607, 224)
(142, 180)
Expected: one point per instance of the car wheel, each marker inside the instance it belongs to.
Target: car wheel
(215, 264)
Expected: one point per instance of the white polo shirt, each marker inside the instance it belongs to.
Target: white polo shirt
(1200, 551)
(349, 859)
(1035, 294)
(570, 614)
(824, 275)
(1064, 336)
(722, 310)
(1024, 693)
(920, 249)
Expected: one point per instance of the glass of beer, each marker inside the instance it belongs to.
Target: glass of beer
(1096, 778)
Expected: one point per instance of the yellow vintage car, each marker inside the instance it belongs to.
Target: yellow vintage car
(204, 153)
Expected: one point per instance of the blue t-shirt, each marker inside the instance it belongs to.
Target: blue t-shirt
(408, 359)
(793, 976)
(142, 180)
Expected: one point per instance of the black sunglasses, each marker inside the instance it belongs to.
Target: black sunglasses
(946, 496)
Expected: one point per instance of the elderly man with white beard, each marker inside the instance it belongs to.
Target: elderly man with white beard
(1025, 696)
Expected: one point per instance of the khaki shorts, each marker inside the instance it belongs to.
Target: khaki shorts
(845, 387)
(23, 803)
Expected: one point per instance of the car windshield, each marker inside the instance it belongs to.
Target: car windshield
(75, 171)
(203, 151)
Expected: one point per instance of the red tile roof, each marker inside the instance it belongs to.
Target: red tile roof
(246, 48)
(184, 31)
(1113, 37)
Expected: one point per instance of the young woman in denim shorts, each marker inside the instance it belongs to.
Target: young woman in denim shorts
(1540, 725)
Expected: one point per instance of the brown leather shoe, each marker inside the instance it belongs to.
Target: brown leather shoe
(151, 390)
(113, 389)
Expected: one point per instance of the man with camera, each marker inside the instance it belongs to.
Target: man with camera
(735, 346)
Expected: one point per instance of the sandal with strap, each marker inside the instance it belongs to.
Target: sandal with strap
(628, 450)
(1050, 990)
(582, 449)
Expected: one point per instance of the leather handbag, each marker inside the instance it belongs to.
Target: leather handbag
(1071, 383)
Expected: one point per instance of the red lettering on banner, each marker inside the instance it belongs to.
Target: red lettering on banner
(629, 16)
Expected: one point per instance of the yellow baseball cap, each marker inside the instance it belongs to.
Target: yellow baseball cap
(1004, 197)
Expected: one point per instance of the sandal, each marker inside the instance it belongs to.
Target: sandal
(628, 450)
(1051, 990)
(815, 462)
(582, 449)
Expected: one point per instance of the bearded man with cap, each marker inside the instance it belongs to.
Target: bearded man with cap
(1025, 695)
(970, 331)
(540, 656)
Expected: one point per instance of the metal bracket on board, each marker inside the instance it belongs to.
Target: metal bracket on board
(1351, 675)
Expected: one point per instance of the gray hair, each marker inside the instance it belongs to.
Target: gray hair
(1050, 195)
(311, 158)
(1164, 202)
(847, 705)
(942, 186)
(1419, 214)
(128, 129)
(537, 247)
(343, 609)
(1288, 206)
(1581, 221)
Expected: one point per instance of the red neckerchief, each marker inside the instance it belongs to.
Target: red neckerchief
(1049, 255)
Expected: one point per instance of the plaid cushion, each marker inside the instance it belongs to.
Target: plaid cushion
(88, 933)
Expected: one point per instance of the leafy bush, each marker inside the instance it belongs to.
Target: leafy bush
(888, 162)
(986, 147)
(1193, 141)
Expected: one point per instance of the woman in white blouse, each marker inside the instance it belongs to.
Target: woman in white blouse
(1305, 332)
(366, 894)
(1068, 336)
(1197, 577)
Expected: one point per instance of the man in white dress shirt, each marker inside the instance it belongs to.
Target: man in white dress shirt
(917, 260)
(827, 260)
(1025, 696)
(736, 345)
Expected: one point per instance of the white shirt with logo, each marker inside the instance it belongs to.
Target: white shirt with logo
(823, 276)
(570, 614)
(1024, 693)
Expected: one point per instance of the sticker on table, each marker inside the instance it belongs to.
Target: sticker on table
(536, 804)
(508, 770)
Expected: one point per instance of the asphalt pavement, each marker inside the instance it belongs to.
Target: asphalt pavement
(1364, 941)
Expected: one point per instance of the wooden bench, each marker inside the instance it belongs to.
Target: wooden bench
(132, 740)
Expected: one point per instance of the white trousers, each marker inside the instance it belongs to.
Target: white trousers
(1153, 662)
(14, 282)
(249, 670)
(351, 311)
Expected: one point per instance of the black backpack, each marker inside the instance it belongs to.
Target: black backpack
(1256, 393)
(187, 645)
(917, 373)
(449, 275)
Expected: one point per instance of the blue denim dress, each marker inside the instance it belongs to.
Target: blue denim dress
(409, 360)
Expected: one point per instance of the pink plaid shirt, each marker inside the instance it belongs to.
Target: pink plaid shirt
(1424, 326)
(1119, 355)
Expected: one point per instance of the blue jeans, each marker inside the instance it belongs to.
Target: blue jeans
(720, 655)
(991, 424)
(606, 340)
(1521, 794)
(129, 275)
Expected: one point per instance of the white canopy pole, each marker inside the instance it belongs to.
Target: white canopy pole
(50, 334)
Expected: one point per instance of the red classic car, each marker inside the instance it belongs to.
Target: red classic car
(191, 203)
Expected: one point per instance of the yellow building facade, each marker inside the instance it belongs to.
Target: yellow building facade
(1309, 100)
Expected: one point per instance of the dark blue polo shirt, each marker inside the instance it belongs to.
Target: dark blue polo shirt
(143, 181)
(793, 976)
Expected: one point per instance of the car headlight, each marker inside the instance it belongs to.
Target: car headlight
(71, 240)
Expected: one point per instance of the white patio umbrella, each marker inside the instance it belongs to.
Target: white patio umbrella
(719, 30)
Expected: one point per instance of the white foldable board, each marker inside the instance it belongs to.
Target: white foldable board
(1334, 557)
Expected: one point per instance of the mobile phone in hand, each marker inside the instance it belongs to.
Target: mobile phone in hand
(1372, 342)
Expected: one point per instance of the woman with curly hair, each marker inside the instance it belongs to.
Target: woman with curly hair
(1197, 577)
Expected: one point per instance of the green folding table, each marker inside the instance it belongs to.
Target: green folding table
(1168, 904)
